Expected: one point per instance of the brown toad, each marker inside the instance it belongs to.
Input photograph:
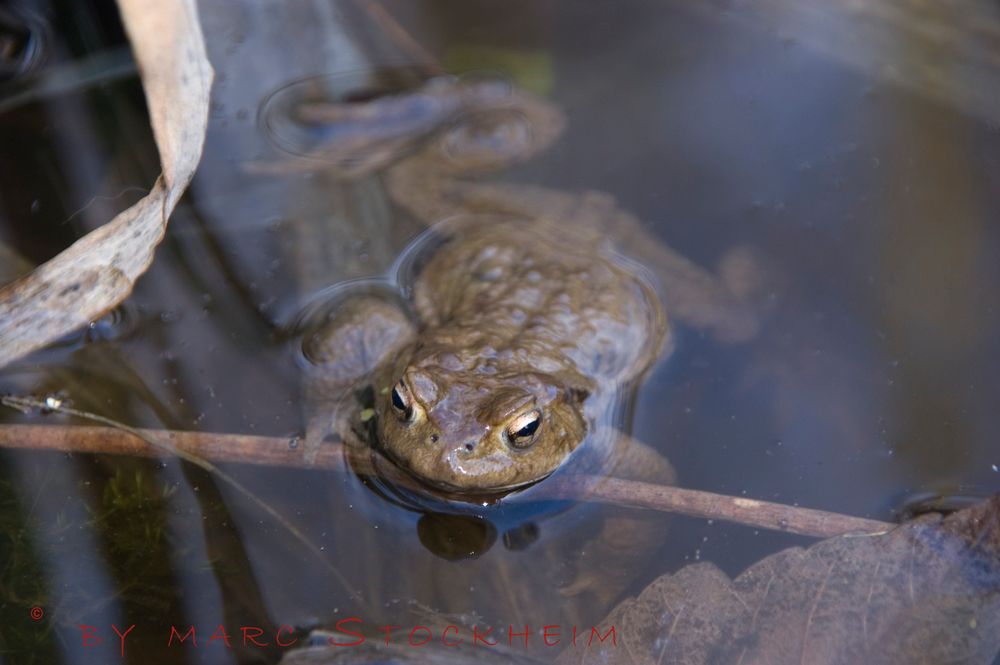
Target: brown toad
(525, 337)
(508, 338)
(531, 311)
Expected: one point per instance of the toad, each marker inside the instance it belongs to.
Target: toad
(530, 314)
(504, 345)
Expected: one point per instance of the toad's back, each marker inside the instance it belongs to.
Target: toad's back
(520, 294)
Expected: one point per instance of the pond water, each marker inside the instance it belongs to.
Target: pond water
(855, 151)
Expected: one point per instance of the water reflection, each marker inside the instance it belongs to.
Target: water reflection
(456, 537)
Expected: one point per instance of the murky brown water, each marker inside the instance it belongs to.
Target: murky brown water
(858, 153)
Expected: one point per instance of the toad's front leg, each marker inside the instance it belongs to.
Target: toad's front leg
(354, 337)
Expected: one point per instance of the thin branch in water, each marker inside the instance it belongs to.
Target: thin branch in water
(276, 451)
(235, 448)
(154, 442)
(739, 510)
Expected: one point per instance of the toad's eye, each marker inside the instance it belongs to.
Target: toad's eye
(522, 430)
(402, 401)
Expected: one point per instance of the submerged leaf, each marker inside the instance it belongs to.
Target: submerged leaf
(100, 270)
(926, 592)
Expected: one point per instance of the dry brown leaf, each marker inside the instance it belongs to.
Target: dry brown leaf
(926, 592)
(100, 270)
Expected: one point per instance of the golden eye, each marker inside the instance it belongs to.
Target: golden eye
(402, 401)
(522, 430)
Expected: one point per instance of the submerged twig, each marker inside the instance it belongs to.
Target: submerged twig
(200, 447)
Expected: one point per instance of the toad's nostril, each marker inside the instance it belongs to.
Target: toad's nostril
(470, 446)
(434, 438)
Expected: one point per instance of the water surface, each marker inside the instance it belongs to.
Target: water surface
(864, 170)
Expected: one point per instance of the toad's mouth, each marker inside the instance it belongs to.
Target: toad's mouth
(470, 493)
